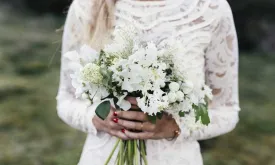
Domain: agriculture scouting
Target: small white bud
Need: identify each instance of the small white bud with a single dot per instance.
(85, 96)
(174, 87)
(162, 85)
(172, 97)
(187, 87)
(180, 96)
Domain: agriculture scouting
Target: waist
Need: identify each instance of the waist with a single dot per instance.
(160, 152)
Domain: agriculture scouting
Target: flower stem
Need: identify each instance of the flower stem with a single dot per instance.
(135, 153)
(112, 152)
(121, 153)
(143, 151)
(129, 152)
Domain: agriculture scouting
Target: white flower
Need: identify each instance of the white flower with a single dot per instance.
(91, 74)
(88, 54)
(187, 87)
(152, 108)
(123, 104)
(163, 104)
(85, 96)
(97, 93)
(194, 98)
(78, 84)
(208, 92)
(172, 97)
(97, 98)
(174, 87)
(115, 48)
(180, 96)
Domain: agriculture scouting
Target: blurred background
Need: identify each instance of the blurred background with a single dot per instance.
(32, 134)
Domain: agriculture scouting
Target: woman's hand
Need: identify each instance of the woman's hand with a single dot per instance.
(134, 120)
(109, 125)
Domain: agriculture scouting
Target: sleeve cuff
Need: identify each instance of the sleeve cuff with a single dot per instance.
(90, 115)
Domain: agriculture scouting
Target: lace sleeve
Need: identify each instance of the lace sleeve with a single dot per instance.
(221, 71)
(75, 112)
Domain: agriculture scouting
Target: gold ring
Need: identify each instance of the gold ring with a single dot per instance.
(141, 126)
(177, 133)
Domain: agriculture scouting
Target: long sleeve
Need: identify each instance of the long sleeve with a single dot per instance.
(75, 112)
(221, 73)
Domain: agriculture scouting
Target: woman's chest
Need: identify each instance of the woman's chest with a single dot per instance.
(190, 21)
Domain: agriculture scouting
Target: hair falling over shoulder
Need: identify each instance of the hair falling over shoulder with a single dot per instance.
(103, 16)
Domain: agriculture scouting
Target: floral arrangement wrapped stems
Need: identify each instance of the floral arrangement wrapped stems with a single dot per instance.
(145, 70)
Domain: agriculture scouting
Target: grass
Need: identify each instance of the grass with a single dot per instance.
(32, 134)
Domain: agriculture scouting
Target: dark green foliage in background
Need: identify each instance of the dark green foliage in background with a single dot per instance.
(40, 6)
(255, 23)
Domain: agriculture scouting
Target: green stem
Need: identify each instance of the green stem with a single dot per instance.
(121, 161)
(132, 151)
(118, 158)
(136, 152)
(129, 152)
(139, 148)
(112, 152)
(143, 152)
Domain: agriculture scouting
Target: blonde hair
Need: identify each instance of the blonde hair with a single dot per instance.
(103, 16)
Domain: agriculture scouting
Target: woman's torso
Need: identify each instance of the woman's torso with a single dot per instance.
(192, 21)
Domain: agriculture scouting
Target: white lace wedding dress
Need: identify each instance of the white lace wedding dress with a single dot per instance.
(208, 35)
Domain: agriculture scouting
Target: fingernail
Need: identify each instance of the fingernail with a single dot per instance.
(115, 120)
(115, 113)
(123, 130)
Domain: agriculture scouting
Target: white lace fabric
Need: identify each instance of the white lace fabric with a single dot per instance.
(206, 29)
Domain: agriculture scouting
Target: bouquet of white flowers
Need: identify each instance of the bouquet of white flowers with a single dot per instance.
(145, 70)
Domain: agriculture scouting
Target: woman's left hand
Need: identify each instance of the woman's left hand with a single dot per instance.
(134, 120)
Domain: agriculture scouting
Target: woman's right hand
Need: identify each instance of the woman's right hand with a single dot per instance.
(109, 125)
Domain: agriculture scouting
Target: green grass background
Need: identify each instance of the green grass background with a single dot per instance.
(32, 134)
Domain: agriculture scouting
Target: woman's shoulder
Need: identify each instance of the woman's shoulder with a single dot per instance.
(218, 10)
(220, 6)
(82, 8)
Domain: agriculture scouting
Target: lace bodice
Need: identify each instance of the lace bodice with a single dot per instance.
(207, 32)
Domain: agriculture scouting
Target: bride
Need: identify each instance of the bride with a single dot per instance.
(208, 30)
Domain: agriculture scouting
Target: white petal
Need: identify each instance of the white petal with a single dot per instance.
(174, 87)
(96, 99)
(74, 66)
(123, 104)
(127, 86)
(85, 96)
(72, 56)
(180, 95)
(172, 97)
(187, 87)
(88, 54)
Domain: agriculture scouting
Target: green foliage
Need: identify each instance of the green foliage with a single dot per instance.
(254, 28)
(10, 86)
(181, 114)
(32, 68)
(49, 6)
(107, 77)
(159, 115)
(202, 114)
(103, 109)
(152, 119)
